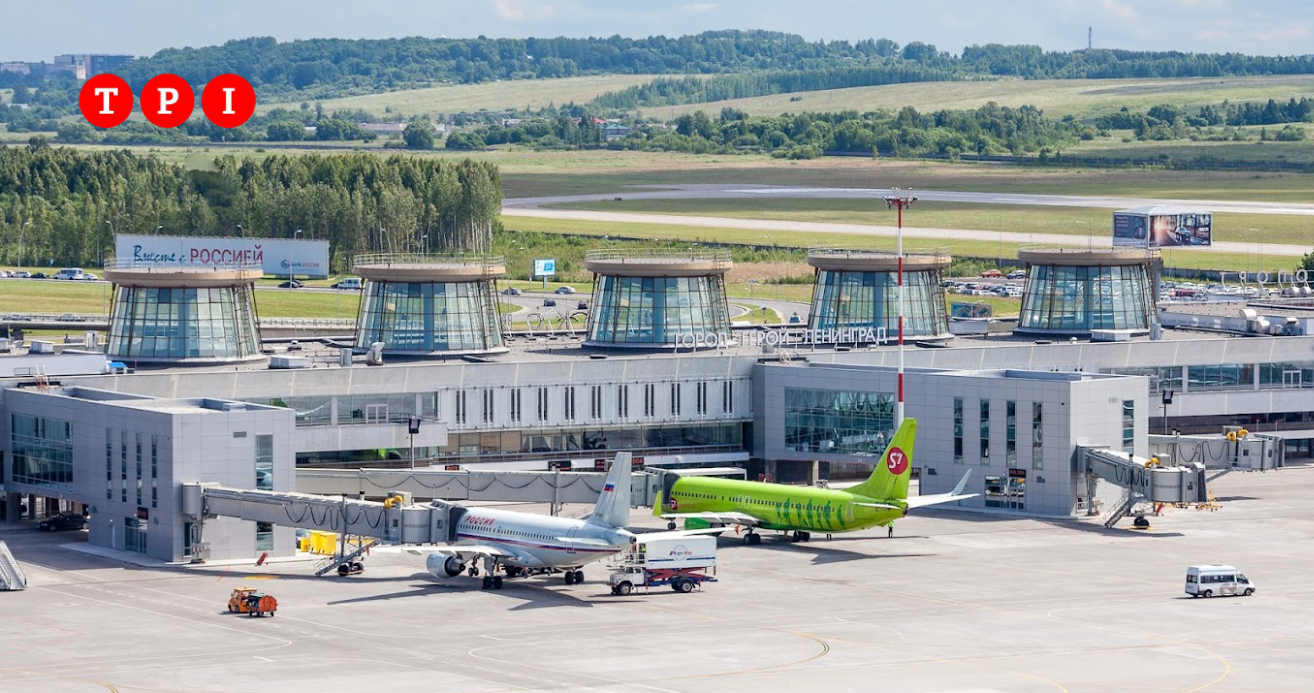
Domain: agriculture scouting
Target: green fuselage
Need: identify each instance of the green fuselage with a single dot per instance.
(781, 507)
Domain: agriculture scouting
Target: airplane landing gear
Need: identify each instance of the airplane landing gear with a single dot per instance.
(574, 577)
(473, 570)
(752, 538)
(497, 582)
(802, 536)
(488, 582)
(670, 525)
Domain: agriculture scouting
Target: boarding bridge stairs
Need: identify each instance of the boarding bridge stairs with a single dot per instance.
(1141, 479)
(11, 575)
(331, 563)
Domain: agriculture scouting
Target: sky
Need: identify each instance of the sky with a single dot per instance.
(36, 31)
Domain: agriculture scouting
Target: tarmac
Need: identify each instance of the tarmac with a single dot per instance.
(954, 602)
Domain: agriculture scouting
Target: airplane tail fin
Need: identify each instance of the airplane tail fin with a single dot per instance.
(889, 480)
(613, 508)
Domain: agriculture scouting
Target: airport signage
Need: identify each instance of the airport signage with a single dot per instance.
(276, 256)
(545, 267)
(783, 338)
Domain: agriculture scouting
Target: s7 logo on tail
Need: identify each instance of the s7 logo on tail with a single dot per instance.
(896, 461)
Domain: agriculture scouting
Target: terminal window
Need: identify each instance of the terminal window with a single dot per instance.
(42, 450)
(838, 422)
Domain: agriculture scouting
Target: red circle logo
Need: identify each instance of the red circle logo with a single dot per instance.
(228, 100)
(105, 100)
(896, 461)
(167, 100)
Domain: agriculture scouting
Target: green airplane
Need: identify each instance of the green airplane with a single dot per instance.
(878, 501)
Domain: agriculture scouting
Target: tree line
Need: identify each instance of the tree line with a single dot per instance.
(668, 91)
(991, 129)
(62, 206)
(319, 68)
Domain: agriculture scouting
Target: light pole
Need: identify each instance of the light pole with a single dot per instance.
(292, 261)
(158, 229)
(240, 231)
(20, 242)
(424, 243)
(898, 202)
(1167, 399)
(100, 246)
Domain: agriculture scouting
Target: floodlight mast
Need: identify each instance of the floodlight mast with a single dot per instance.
(898, 201)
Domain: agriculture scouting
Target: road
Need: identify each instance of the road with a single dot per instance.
(534, 207)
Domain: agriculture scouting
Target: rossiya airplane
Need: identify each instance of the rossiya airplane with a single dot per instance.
(878, 501)
(516, 544)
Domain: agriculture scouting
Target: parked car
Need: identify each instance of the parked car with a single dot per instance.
(291, 284)
(4, 273)
(582, 305)
(70, 274)
(20, 274)
(548, 302)
(992, 273)
(1016, 274)
(39, 275)
(90, 277)
(511, 291)
(348, 284)
(63, 521)
(565, 290)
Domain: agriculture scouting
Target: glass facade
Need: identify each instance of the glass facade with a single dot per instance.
(1128, 426)
(843, 299)
(429, 316)
(660, 311)
(1230, 376)
(264, 462)
(838, 422)
(1080, 299)
(184, 323)
(1037, 435)
(43, 451)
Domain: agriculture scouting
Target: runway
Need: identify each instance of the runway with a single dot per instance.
(535, 207)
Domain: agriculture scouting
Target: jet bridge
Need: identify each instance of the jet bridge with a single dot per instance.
(1141, 479)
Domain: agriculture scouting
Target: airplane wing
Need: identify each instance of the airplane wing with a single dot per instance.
(882, 506)
(728, 518)
(585, 542)
(937, 498)
(658, 536)
(464, 553)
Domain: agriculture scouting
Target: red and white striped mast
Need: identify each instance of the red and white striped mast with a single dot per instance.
(897, 201)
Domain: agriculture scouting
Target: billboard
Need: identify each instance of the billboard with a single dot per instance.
(545, 267)
(1163, 230)
(277, 256)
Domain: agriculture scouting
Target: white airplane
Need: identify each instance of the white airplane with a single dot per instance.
(517, 544)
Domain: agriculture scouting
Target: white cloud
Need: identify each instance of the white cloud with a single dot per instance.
(699, 7)
(1121, 11)
(520, 10)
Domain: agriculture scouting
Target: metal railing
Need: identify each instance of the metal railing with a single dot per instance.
(236, 263)
(719, 258)
(941, 254)
(421, 259)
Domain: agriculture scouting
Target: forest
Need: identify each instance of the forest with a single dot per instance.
(991, 129)
(60, 205)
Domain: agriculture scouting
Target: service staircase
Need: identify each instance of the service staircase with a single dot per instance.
(329, 564)
(1121, 508)
(11, 576)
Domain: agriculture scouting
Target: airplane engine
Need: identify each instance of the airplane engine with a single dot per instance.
(443, 566)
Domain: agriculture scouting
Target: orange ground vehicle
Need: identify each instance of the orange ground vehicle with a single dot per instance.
(246, 600)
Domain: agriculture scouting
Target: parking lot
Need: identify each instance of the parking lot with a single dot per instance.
(954, 602)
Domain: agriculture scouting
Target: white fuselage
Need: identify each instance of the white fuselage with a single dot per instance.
(536, 540)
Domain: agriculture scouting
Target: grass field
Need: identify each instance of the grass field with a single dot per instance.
(1006, 247)
(1010, 219)
(1057, 98)
(22, 296)
(527, 173)
(492, 96)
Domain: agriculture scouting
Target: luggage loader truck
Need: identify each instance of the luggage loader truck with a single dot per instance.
(681, 563)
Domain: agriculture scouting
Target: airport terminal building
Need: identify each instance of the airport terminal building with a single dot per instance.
(791, 403)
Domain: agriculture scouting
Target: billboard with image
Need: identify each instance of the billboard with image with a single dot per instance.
(1156, 227)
